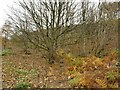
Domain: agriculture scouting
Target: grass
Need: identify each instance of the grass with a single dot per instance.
(32, 72)
(73, 82)
(6, 52)
(21, 72)
(22, 85)
(21, 76)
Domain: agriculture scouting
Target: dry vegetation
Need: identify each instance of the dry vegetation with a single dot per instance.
(45, 47)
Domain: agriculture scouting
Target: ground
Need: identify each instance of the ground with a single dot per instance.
(18, 65)
(33, 70)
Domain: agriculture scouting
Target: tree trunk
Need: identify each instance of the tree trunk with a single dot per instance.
(51, 54)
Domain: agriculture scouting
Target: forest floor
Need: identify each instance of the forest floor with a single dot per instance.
(19, 68)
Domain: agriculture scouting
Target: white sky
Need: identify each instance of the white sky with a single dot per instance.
(4, 8)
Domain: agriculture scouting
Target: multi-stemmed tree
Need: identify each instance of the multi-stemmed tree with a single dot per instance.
(45, 23)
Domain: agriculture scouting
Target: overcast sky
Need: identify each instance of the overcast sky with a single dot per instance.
(4, 8)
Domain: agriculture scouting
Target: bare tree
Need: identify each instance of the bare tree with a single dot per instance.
(45, 23)
(97, 23)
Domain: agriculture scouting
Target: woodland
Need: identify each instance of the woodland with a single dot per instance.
(61, 44)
